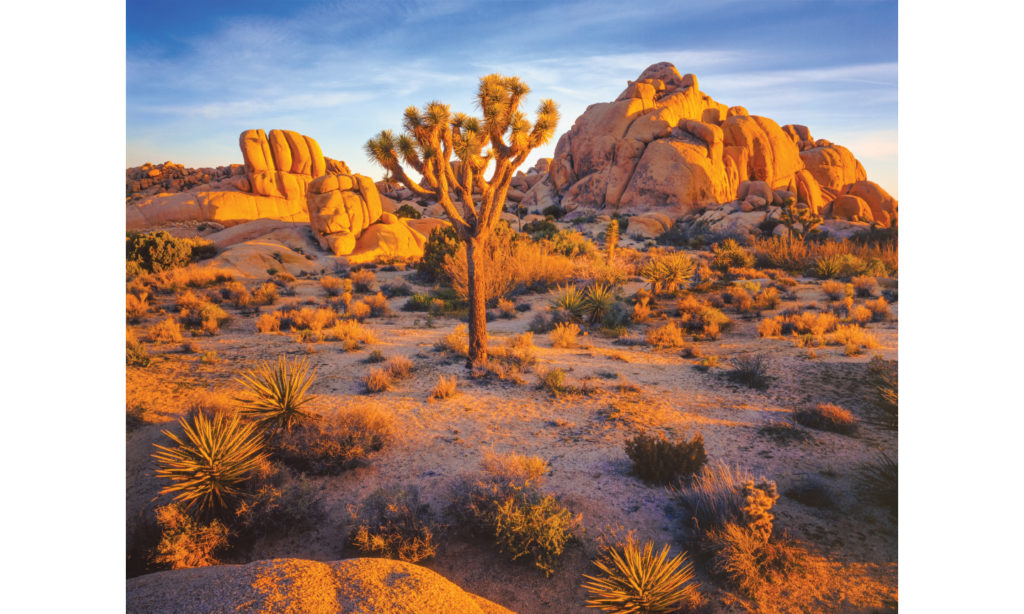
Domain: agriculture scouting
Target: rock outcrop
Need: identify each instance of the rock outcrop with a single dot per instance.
(348, 219)
(351, 586)
(665, 146)
(278, 168)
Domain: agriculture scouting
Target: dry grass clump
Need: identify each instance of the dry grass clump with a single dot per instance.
(656, 460)
(136, 306)
(668, 335)
(186, 543)
(506, 308)
(332, 285)
(395, 524)
(718, 494)
(770, 327)
(854, 338)
(352, 334)
(637, 580)
(445, 388)
(751, 370)
(378, 304)
(787, 253)
(812, 325)
(269, 322)
(165, 331)
(456, 342)
(701, 319)
(359, 310)
(363, 280)
(524, 265)
(879, 309)
(836, 290)
(398, 367)
(135, 354)
(175, 280)
(729, 254)
(879, 481)
(883, 376)
(329, 446)
(515, 469)
(827, 417)
(860, 314)
(865, 286)
(204, 317)
(314, 319)
(642, 310)
(377, 380)
(564, 335)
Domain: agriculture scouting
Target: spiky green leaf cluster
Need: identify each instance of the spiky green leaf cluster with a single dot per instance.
(572, 300)
(277, 392)
(638, 581)
(207, 466)
(667, 272)
(598, 300)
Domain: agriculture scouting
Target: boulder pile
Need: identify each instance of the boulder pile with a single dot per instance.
(664, 146)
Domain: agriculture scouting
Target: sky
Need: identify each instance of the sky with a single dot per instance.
(200, 73)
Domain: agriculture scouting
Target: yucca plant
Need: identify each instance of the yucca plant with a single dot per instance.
(639, 581)
(571, 300)
(278, 391)
(668, 272)
(611, 238)
(597, 300)
(207, 466)
(879, 481)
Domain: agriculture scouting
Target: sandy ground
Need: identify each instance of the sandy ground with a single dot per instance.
(442, 441)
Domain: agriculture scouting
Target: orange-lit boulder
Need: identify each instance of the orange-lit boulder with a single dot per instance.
(832, 166)
(883, 206)
(851, 207)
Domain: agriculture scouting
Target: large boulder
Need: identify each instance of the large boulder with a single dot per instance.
(278, 168)
(347, 219)
(883, 206)
(351, 586)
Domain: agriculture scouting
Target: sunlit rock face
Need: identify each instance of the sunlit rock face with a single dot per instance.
(278, 168)
(665, 146)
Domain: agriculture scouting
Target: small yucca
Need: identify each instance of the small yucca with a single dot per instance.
(640, 581)
(570, 299)
(597, 301)
(278, 391)
(207, 466)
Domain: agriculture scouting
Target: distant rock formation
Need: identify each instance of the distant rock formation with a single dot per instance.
(351, 586)
(277, 170)
(664, 146)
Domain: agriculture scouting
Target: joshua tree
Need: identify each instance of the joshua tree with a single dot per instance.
(503, 137)
(611, 238)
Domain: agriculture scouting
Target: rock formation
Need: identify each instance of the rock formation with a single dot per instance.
(665, 146)
(351, 586)
(277, 170)
(348, 219)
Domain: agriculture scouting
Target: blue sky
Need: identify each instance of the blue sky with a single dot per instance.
(199, 73)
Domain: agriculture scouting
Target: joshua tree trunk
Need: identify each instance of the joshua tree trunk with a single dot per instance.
(477, 301)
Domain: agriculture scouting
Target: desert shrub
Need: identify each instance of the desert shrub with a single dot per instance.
(308, 318)
(555, 381)
(668, 335)
(408, 211)
(135, 353)
(279, 502)
(529, 524)
(442, 243)
(363, 280)
(666, 272)
(641, 310)
(534, 267)
(746, 562)
(827, 417)
(729, 254)
(185, 542)
(331, 284)
(397, 289)
(266, 294)
(860, 314)
(378, 304)
(637, 580)
(332, 445)
(377, 380)
(418, 302)
(395, 524)
(234, 292)
(878, 481)
(398, 367)
(770, 327)
(836, 290)
(174, 280)
(269, 322)
(208, 466)
(597, 301)
(751, 370)
(165, 331)
(720, 494)
(783, 432)
(445, 388)
(767, 298)
(879, 309)
(707, 363)
(276, 393)
(853, 337)
(541, 229)
(564, 335)
(739, 298)
(812, 492)
(359, 310)
(700, 318)
(153, 252)
(136, 307)
(838, 265)
(456, 342)
(351, 333)
(207, 318)
(656, 460)
(569, 243)
(506, 308)
(571, 301)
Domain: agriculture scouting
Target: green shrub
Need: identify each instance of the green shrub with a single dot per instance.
(153, 252)
(408, 211)
(571, 300)
(442, 243)
(209, 465)
(597, 301)
(668, 272)
(751, 370)
(279, 503)
(394, 523)
(637, 580)
(277, 392)
(878, 481)
(554, 211)
(540, 229)
(554, 381)
(729, 254)
(570, 243)
(656, 460)
(529, 524)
